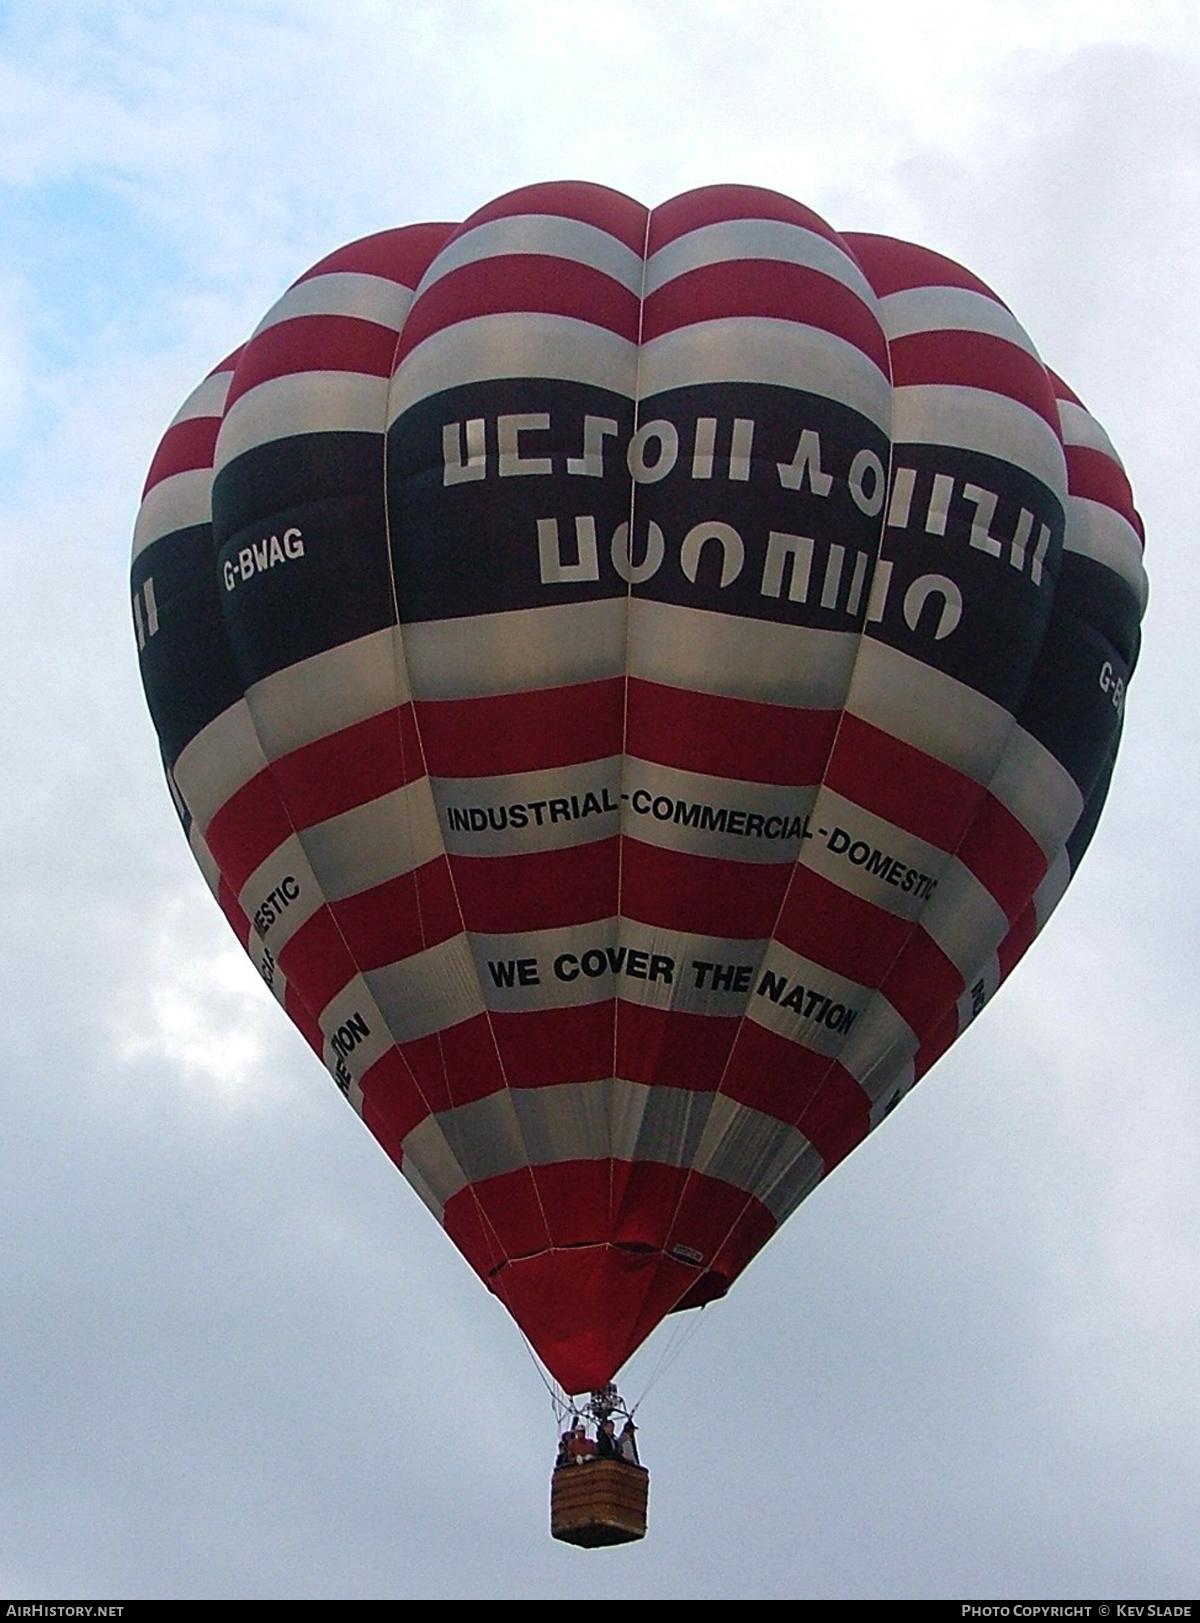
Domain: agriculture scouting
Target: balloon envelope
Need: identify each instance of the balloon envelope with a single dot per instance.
(636, 682)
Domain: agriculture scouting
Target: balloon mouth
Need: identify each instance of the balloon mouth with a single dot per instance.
(710, 1287)
(586, 1308)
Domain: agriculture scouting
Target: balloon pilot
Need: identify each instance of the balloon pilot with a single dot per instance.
(575, 1447)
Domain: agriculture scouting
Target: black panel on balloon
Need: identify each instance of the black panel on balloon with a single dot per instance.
(187, 667)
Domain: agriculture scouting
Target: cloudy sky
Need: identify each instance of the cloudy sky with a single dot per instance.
(238, 1358)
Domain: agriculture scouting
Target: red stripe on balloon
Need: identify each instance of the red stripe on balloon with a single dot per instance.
(185, 447)
(247, 828)
(304, 1020)
(620, 216)
(392, 1103)
(307, 786)
(316, 960)
(401, 255)
(1004, 857)
(325, 343)
(405, 915)
(538, 890)
(740, 739)
(239, 922)
(753, 1228)
(505, 733)
(766, 288)
(936, 1044)
(457, 1065)
(647, 1211)
(923, 984)
(974, 360)
(537, 284)
(502, 1217)
(541, 1048)
(681, 890)
(900, 783)
(673, 1048)
(348, 768)
(1093, 474)
(842, 932)
(711, 205)
(1017, 942)
(714, 1220)
(795, 1085)
(893, 266)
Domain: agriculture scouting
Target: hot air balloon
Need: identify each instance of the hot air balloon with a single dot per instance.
(636, 682)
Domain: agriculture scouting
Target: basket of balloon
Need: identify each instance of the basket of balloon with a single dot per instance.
(602, 1502)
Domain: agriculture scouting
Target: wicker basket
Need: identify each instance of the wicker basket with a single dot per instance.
(601, 1502)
